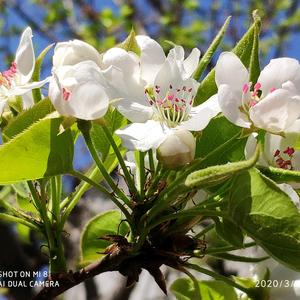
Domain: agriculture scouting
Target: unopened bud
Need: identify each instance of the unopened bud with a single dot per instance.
(177, 150)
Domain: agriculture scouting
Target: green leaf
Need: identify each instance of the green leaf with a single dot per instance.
(109, 222)
(37, 152)
(229, 232)
(254, 67)
(243, 50)
(130, 43)
(268, 215)
(27, 118)
(36, 93)
(184, 289)
(205, 60)
(220, 132)
(114, 121)
(214, 175)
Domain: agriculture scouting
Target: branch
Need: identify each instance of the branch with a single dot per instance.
(66, 281)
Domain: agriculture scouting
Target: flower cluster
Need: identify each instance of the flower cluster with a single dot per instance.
(156, 93)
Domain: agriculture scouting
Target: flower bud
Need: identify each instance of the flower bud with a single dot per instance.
(177, 150)
(73, 52)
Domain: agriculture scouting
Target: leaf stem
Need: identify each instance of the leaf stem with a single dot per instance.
(217, 250)
(128, 177)
(14, 219)
(142, 173)
(84, 178)
(84, 127)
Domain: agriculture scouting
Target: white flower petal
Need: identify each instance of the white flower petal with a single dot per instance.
(176, 53)
(86, 91)
(277, 72)
(152, 57)
(27, 100)
(25, 58)
(276, 112)
(128, 62)
(202, 114)
(23, 89)
(143, 136)
(230, 102)
(190, 64)
(231, 71)
(73, 52)
(134, 111)
(122, 87)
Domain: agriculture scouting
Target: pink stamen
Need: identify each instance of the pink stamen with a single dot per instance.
(289, 151)
(257, 86)
(66, 94)
(277, 152)
(10, 73)
(272, 90)
(245, 88)
(171, 97)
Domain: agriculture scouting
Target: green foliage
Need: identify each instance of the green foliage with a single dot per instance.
(114, 121)
(205, 60)
(220, 132)
(229, 232)
(36, 93)
(243, 50)
(268, 215)
(130, 43)
(27, 118)
(92, 247)
(184, 289)
(37, 152)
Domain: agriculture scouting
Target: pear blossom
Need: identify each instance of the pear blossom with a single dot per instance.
(156, 93)
(274, 102)
(79, 91)
(73, 52)
(16, 80)
(279, 152)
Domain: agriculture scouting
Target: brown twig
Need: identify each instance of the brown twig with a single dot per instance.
(110, 262)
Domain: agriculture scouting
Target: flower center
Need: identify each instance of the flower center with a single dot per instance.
(173, 107)
(284, 160)
(7, 76)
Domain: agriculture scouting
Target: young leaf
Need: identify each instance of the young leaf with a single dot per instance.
(91, 246)
(184, 289)
(254, 67)
(36, 93)
(205, 60)
(243, 50)
(268, 215)
(214, 175)
(36, 152)
(27, 118)
(130, 43)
